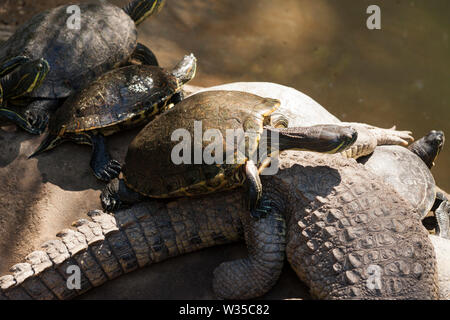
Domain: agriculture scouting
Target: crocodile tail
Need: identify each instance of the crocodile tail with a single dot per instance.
(105, 246)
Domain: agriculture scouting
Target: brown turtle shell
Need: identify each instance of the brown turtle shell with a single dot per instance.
(106, 38)
(121, 98)
(407, 173)
(149, 168)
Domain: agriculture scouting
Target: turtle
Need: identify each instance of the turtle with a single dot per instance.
(119, 99)
(18, 77)
(105, 39)
(377, 144)
(408, 171)
(151, 169)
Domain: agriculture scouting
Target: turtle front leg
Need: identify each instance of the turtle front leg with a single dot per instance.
(254, 189)
(34, 123)
(38, 113)
(35, 117)
(104, 167)
(176, 98)
(256, 274)
(117, 195)
(144, 55)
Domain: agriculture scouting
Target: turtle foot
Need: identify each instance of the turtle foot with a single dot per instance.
(261, 211)
(108, 171)
(37, 121)
(110, 198)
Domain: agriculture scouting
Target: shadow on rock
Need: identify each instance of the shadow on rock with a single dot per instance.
(11, 139)
(190, 277)
(67, 166)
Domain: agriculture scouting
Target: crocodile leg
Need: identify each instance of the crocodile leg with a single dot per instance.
(256, 274)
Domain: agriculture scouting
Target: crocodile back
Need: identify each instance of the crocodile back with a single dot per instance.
(350, 236)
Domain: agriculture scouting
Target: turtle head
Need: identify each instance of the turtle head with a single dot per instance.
(429, 147)
(319, 138)
(25, 78)
(139, 10)
(185, 70)
(48, 143)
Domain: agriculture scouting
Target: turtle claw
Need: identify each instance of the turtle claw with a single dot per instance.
(109, 197)
(110, 201)
(109, 171)
(37, 121)
(262, 209)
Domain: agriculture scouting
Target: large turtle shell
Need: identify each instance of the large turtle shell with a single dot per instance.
(300, 109)
(117, 99)
(107, 37)
(149, 168)
(406, 172)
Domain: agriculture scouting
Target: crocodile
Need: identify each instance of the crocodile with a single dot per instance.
(345, 233)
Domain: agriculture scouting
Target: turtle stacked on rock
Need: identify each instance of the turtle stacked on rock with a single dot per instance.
(107, 38)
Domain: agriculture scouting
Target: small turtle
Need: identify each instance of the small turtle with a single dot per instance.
(18, 77)
(105, 39)
(151, 171)
(122, 98)
(408, 171)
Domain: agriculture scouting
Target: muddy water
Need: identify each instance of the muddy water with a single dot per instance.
(399, 75)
